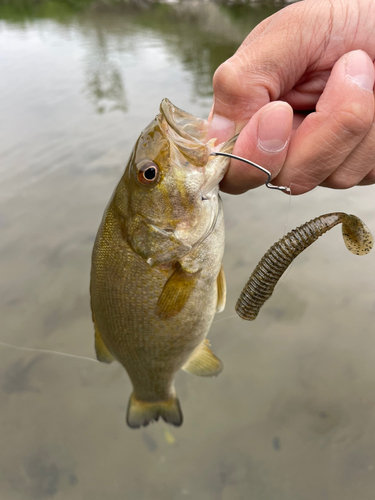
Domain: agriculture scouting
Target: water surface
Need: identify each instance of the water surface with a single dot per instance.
(292, 416)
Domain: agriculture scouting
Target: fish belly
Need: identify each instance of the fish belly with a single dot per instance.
(125, 291)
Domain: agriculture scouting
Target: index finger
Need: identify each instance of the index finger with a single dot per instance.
(272, 60)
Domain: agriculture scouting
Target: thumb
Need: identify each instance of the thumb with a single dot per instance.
(265, 141)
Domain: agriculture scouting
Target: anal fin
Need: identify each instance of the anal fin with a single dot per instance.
(203, 362)
(143, 412)
(102, 353)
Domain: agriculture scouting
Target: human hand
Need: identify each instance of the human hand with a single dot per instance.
(315, 55)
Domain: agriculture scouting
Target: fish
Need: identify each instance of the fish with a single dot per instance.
(157, 278)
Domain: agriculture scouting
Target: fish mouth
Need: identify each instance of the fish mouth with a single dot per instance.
(187, 132)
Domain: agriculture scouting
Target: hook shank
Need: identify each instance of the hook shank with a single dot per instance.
(267, 172)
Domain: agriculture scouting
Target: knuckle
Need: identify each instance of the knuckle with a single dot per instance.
(225, 78)
(344, 183)
(369, 178)
(341, 182)
(240, 81)
(355, 119)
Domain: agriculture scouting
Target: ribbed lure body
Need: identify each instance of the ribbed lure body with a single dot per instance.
(277, 259)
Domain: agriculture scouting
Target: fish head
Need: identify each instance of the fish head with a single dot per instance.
(168, 195)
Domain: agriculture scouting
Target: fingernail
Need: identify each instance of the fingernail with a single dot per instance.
(360, 69)
(221, 128)
(274, 127)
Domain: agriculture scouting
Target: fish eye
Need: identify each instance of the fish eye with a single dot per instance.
(148, 172)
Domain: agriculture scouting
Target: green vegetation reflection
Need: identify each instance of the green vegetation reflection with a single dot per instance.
(201, 35)
(23, 10)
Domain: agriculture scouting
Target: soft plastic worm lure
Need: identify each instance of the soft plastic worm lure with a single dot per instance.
(276, 260)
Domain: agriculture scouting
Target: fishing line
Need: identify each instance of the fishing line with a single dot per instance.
(216, 153)
(288, 212)
(285, 232)
(268, 184)
(47, 351)
(223, 319)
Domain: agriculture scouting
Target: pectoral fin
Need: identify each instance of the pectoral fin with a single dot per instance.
(176, 292)
(203, 362)
(221, 291)
(102, 353)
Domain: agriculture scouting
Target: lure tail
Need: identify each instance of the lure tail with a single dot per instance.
(141, 413)
(277, 259)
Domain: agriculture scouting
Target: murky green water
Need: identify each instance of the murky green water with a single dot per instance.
(292, 416)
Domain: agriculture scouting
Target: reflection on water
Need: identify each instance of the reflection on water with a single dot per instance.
(104, 87)
(218, 31)
(292, 415)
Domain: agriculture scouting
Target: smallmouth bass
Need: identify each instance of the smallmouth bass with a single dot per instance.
(157, 278)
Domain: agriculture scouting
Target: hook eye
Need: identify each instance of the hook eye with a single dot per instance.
(268, 182)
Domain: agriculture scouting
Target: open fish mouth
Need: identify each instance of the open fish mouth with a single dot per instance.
(189, 135)
(186, 202)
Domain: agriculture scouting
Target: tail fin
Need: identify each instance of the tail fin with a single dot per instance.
(142, 412)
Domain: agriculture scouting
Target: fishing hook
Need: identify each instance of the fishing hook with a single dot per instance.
(268, 183)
